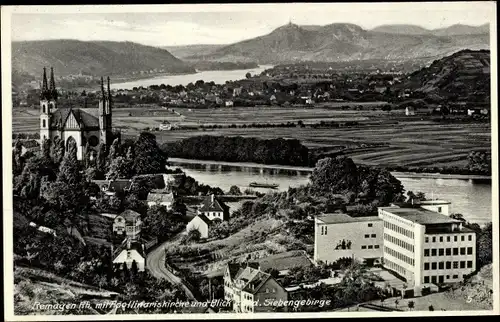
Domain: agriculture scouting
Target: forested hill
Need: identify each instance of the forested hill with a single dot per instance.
(96, 58)
(463, 76)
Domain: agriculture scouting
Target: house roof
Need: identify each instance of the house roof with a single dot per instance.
(160, 197)
(119, 185)
(344, 218)
(134, 245)
(204, 218)
(212, 203)
(257, 282)
(130, 215)
(284, 261)
(421, 216)
(233, 269)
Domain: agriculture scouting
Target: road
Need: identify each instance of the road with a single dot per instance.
(155, 263)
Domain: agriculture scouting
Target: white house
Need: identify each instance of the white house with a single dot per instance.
(128, 252)
(409, 111)
(214, 208)
(165, 126)
(200, 223)
(229, 103)
(128, 223)
(161, 199)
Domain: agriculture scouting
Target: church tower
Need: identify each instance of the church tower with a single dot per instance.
(105, 127)
(48, 103)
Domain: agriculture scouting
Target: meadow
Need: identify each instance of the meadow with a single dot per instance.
(403, 140)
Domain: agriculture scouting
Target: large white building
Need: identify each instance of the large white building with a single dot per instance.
(339, 235)
(426, 247)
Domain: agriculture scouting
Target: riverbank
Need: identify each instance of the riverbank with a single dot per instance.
(412, 175)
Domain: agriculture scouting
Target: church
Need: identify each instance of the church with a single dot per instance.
(74, 124)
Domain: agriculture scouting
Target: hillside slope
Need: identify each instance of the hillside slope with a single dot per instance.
(96, 58)
(465, 75)
(190, 50)
(454, 30)
(343, 42)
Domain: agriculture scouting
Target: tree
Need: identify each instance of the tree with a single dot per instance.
(114, 150)
(333, 176)
(234, 190)
(193, 235)
(46, 147)
(149, 157)
(101, 160)
(396, 303)
(119, 167)
(248, 75)
(431, 308)
(458, 217)
(485, 246)
(69, 170)
(57, 150)
(411, 305)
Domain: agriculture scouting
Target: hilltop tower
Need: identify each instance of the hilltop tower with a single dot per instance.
(48, 103)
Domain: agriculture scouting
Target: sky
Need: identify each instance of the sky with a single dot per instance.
(173, 25)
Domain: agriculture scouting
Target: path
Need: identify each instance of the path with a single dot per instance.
(155, 262)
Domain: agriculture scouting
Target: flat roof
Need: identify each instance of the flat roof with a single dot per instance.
(341, 218)
(421, 216)
(435, 202)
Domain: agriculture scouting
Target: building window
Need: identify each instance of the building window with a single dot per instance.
(427, 240)
(363, 247)
(370, 246)
(447, 277)
(441, 265)
(322, 230)
(426, 252)
(426, 279)
(448, 251)
(439, 209)
(367, 236)
(433, 252)
(448, 238)
(462, 264)
(434, 279)
(374, 235)
(426, 266)
(441, 252)
(455, 276)
(129, 254)
(455, 264)
(469, 264)
(470, 237)
(376, 246)
(469, 250)
(448, 265)
(455, 238)
(455, 251)
(326, 230)
(434, 265)
(433, 239)
(462, 250)
(462, 238)
(43, 123)
(370, 225)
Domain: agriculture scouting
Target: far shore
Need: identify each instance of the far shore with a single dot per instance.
(309, 169)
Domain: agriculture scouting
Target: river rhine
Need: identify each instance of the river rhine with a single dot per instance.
(217, 76)
(472, 198)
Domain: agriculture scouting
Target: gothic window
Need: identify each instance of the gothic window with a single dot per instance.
(44, 124)
(43, 109)
(69, 141)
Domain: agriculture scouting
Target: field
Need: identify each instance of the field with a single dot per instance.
(406, 140)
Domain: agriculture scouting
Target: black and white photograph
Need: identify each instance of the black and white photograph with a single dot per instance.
(250, 160)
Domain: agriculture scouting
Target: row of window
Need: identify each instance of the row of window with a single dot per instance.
(448, 251)
(247, 297)
(438, 279)
(399, 256)
(448, 265)
(370, 246)
(399, 230)
(371, 236)
(395, 267)
(448, 238)
(324, 230)
(399, 242)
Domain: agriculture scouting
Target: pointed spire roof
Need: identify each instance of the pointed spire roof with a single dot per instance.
(44, 84)
(53, 90)
(109, 90)
(102, 88)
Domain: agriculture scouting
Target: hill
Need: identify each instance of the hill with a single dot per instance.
(464, 75)
(190, 50)
(343, 42)
(95, 58)
(454, 30)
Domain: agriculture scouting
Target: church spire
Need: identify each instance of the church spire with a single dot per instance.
(103, 93)
(53, 91)
(109, 91)
(44, 85)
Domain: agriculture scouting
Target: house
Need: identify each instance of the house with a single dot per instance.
(247, 285)
(200, 223)
(214, 208)
(161, 198)
(128, 252)
(219, 101)
(118, 186)
(237, 91)
(339, 235)
(309, 101)
(410, 110)
(128, 223)
(426, 247)
(165, 126)
(283, 262)
(229, 103)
